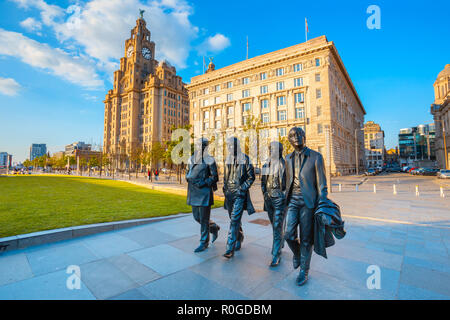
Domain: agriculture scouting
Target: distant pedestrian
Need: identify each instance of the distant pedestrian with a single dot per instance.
(156, 174)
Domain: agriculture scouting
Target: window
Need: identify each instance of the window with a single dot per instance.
(298, 67)
(319, 128)
(319, 110)
(281, 132)
(229, 97)
(195, 116)
(246, 107)
(218, 112)
(230, 123)
(280, 85)
(317, 77)
(244, 120)
(205, 102)
(279, 72)
(245, 93)
(263, 76)
(218, 124)
(317, 62)
(264, 89)
(230, 110)
(246, 80)
(206, 91)
(265, 117)
(217, 88)
(205, 114)
(299, 97)
(318, 93)
(282, 115)
(205, 125)
(281, 101)
(298, 82)
(299, 113)
(264, 104)
(216, 100)
(229, 84)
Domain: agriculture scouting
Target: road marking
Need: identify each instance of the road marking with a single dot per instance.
(395, 221)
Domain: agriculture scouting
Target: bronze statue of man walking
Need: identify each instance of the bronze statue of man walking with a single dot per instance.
(306, 186)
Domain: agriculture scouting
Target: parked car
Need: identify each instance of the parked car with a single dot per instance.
(443, 174)
(411, 169)
(370, 172)
(406, 169)
(429, 172)
(416, 171)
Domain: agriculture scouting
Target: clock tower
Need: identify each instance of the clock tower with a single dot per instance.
(148, 99)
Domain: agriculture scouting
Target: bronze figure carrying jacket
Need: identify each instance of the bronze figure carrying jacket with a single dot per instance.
(313, 181)
(245, 176)
(202, 177)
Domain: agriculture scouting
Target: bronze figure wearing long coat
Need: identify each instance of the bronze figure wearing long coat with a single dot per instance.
(202, 178)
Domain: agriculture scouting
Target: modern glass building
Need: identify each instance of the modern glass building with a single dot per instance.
(37, 150)
(417, 143)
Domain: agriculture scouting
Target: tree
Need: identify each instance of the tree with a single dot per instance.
(156, 153)
(287, 147)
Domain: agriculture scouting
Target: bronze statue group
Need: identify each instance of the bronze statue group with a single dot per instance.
(294, 187)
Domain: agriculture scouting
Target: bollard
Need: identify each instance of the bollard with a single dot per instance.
(340, 187)
(356, 187)
(395, 189)
(374, 188)
(442, 193)
(417, 191)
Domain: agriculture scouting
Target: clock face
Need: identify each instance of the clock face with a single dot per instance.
(130, 51)
(146, 53)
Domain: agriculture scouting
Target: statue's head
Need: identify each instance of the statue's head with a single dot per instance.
(276, 150)
(297, 138)
(233, 146)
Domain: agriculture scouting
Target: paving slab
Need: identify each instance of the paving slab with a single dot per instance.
(51, 286)
(14, 267)
(194, 287)
(165, 259)
(105, 280)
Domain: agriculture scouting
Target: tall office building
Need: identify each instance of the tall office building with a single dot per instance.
(440, 110)
(417, 144)
(147, 99)
(37, 150)
(304, 85)
(373, 144)
(4, 158)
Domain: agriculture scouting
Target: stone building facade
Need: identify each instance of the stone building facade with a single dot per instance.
(304, 85)
(147, 100)
(374, 145)
(440, 110)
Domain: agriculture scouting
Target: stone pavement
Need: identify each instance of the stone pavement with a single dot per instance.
(407, 237)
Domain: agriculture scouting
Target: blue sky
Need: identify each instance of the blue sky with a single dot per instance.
(57, 57)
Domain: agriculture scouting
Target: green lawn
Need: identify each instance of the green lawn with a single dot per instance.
(36, 203)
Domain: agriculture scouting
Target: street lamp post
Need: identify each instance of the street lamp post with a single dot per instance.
(356, 151)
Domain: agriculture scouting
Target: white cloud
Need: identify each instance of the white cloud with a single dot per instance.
(9, 86)
(48, 12)
(75, 69)
(31, 24)
(214, 44)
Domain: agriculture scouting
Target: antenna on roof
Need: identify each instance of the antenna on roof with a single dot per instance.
(247, 48)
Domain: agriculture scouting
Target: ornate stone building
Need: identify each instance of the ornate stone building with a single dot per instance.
(147, 99)
(440, 110)
(304, 85)
(373, 144)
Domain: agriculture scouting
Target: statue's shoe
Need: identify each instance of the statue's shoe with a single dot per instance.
(296, 261)
(275, 261)
(302, 277)
(215, 233)
(228, 254)
(201, 247)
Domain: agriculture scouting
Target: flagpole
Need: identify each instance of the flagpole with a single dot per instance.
(306, 30)
(247, 47)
